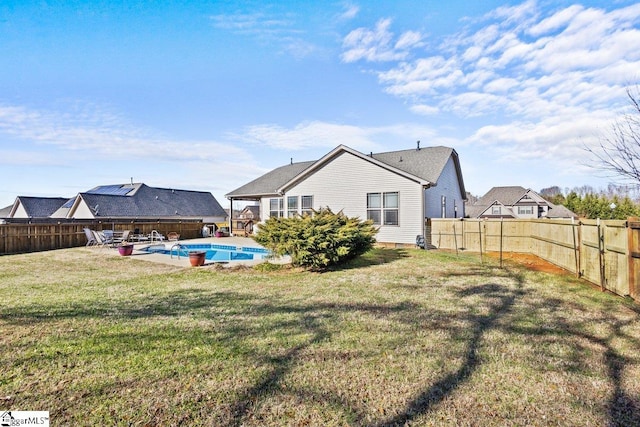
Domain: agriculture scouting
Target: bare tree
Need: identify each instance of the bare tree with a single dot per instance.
(618, 154)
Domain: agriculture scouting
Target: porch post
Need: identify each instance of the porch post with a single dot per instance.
(231, 217)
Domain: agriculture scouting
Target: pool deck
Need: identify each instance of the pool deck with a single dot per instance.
(184, 261)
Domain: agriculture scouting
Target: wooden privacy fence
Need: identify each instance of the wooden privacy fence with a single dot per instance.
(25, 237)
(606, 253)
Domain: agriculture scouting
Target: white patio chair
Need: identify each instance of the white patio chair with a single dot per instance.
(154, 236)
(91, 240)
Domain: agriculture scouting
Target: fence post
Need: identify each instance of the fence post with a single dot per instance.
(601, 254)
(576, 251)
(633, 258)
(455, 238)
(501, 234)
(480, 240)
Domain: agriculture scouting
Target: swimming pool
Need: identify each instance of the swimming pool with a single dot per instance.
(213, 252)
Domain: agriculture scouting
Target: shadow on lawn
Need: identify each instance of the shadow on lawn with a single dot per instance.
(248, 317)
(623, 409)
(375, 256)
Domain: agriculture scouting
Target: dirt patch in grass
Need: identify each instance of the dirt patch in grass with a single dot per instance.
(532, 262)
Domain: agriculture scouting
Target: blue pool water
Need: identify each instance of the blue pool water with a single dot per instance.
(213, 252)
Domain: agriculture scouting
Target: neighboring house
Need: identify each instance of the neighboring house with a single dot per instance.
(398, 190)
(516, 202)
(243, 222)
(128, 201)
(251, 212)
(4, 213)
(35, 207)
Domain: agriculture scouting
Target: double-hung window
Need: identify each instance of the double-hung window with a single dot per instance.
(307, 205)
(276, 208)
(374, 206)
(383, 208)
(292, 206)
(390, 208)
(525, 210)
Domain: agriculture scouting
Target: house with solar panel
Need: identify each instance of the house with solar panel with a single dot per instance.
(399, 190)
(134, 201)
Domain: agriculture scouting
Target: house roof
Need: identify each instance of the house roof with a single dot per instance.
(424, 164)
(559, 211)
(255, 209)
(153, 202)
(510, 195)
(507, 196)
(6, 211)
(39, 207)
(269, 183)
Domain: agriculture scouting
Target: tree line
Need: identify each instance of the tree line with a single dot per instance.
(616, 202)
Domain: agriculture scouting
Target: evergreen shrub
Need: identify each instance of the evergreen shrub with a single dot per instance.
(317, 241)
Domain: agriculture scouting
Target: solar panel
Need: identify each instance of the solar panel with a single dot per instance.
(69, 203)
(111, 190)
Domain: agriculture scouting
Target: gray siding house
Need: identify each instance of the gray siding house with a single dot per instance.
(516, 202)
(398, 190)
(124, 201)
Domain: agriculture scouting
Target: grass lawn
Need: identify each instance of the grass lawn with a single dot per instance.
(399, 337)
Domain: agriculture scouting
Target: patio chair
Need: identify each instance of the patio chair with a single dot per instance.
(91, 240)
(100, 238)
(108, 236)
(154, 236)
(121, 239)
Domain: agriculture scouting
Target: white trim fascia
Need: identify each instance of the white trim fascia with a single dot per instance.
(76, 204)
(14, 208)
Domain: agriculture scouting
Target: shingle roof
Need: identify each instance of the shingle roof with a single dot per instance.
(155, 202)
(41, 207)
(559, 211)
(4, 212)
(269, 183)
(426, 163)
(508, 196)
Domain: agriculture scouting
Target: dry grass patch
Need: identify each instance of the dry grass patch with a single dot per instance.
(398, 337)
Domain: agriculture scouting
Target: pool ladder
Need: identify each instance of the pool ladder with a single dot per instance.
(178, 246)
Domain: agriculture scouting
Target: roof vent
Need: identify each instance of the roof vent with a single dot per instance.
(418, 147)
(292, 160)
(400, 158)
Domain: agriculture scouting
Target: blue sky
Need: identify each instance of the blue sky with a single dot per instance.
(209, 95)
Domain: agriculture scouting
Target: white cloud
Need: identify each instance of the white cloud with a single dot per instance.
(538, 83)
(377, 45)
(425, 110)
(325, 136)
(556, 21)
(279, 30)
(350, 12)
(573, 56)
(108, 137)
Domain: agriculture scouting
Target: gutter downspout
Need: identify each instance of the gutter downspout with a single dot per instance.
(423, 214)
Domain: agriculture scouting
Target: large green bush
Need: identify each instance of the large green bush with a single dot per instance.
(319, 240)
